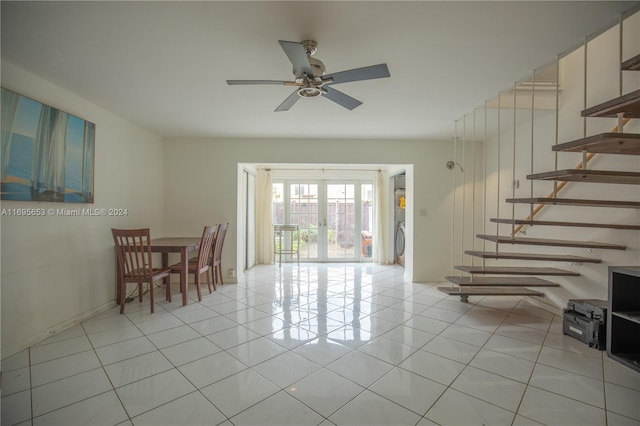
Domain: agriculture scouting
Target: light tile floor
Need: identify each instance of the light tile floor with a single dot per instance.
(343, 344)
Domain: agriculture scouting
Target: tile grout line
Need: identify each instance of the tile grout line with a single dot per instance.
(63, 378)
(532, 370)
(467, 365)
(263, 291)
(196, 389)
(105, 372)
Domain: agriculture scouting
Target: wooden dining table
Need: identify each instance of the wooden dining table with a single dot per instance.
(182, 245)
(166, 245)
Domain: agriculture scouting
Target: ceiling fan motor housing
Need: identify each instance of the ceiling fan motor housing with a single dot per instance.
(311, 84)
(311, 47)
(317, 66)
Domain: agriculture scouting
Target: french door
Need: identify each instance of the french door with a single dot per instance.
(334, 218)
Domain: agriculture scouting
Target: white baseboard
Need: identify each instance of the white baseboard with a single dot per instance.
(34, 340)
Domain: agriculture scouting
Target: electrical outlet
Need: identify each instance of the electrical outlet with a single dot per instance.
(231, 273)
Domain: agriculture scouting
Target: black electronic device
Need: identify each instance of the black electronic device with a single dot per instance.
(591, 308)
(588, 330)
(585, 320)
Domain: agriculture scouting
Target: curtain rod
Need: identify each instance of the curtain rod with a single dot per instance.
(324, 169)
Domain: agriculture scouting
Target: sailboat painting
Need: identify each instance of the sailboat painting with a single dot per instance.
(47, 154)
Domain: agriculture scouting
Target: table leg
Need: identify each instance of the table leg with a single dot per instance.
(165, 264)
(183, 274)
(165, 280)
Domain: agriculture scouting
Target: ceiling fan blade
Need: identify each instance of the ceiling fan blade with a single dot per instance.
(289, 102)
(298, 56)
(358, 74)
(280, 82)
(340, 98)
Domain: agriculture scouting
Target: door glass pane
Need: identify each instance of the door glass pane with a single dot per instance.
(303, 211)
(366, 220)
(277, 204)
(341, 221)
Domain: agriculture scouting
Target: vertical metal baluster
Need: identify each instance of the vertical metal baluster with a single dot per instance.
(555, 182)
(533, 94)
(620, 73)
(584, 106)
(498, 172)
(464, 184)
(584, 119)
(484, 185)
(513, 160)
(620, 88)
(453, 204)
(473, 189)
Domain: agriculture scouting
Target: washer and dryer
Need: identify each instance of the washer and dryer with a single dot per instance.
(398, 217)
(399, 244)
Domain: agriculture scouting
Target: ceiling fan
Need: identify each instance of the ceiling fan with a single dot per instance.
(310, 79)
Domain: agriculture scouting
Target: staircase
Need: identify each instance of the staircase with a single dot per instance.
(518, 281)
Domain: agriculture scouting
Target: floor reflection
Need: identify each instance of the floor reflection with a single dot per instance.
(330, 303)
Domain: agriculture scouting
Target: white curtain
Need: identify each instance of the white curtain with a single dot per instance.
(48, 162)
(9, 108)
(264, 219)
(381, 218)
(88, 147)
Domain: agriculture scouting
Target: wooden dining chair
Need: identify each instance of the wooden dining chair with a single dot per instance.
(201, 265)
(133, 249)
(216, 260)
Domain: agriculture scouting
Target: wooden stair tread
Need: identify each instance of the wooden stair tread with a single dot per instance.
(561, 223)
(550, 242)
(576, 202)
(589, 176)
(631, 64)
(501, 281)
(628, 104)
(489, 291)
(516, 270)
(532, 256)
(604, 143)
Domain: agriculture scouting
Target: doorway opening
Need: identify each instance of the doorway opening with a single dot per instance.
(334, 206)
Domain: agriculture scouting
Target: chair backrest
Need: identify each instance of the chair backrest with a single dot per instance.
(217, 250)
(133, 248)
(206, 245)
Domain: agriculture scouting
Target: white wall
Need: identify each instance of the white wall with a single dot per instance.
(201, 186)
(58, 270)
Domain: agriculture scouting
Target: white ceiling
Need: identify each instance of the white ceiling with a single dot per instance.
(163, 65)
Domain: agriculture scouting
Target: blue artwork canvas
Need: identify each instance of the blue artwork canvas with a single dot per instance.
(47, 154)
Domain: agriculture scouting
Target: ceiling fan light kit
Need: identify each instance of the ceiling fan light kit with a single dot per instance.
(310, 78)
(309, 92)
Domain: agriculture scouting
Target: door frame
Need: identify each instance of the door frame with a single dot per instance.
(364, 171)
(322, 240)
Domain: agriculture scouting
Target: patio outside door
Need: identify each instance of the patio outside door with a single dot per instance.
(334, 218)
